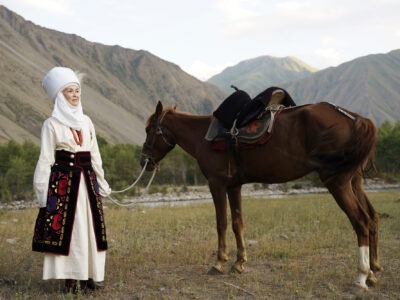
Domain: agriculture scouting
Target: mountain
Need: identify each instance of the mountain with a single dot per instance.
(368, 85)
(255, 75)
(122, 85)
(120, 90)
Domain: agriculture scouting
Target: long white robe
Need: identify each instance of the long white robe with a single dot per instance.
(84, 260)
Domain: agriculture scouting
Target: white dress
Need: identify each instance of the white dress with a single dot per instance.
(84, 260)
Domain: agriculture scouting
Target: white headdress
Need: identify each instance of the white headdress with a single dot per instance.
(55, 81)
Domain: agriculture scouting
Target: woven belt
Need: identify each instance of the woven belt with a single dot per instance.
(71, 159)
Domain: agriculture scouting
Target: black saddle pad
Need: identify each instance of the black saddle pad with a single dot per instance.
(227, 111)
(256, 132)
(239, 106)
(271, 96)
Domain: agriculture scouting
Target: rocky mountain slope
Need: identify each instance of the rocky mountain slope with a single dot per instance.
(368, 85)
(255, 75)
(121, 88)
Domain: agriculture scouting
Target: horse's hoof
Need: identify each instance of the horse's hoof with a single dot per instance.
(359, 286)
(215, 270)
(372, 280)
(237, 269)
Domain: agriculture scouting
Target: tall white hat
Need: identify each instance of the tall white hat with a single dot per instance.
(57, 79)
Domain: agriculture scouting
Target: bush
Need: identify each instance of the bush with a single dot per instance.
(121, 166)
(17, 166)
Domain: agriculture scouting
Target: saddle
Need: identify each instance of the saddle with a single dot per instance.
(245, 120)
(242, 122)
(255, 132)
(240, 107)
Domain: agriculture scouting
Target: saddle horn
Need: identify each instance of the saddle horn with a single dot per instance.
(234, 87)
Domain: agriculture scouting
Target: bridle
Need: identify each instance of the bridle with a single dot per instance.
(148, 158)
(159, 131)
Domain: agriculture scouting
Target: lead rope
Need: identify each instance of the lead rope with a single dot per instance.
(132, 185)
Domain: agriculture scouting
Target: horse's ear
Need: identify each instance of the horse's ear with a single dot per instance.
(159, 109)
(174, 108)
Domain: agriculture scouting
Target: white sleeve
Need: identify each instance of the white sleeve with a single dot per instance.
(43, 167)
(97, 163)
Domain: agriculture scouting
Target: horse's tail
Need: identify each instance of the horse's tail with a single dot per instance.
(357, 154)
(365, 136)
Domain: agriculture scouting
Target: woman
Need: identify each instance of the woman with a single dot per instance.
(69, 183)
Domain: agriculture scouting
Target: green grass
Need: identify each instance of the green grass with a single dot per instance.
(298, 247)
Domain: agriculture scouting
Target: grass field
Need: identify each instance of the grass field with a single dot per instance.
(299, 247)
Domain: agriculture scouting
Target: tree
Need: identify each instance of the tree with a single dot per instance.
(17, 165)
(388, 149)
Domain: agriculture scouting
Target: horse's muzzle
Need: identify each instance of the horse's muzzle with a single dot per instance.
(148, 162)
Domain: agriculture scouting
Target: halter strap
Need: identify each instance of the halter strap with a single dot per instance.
(164, 113)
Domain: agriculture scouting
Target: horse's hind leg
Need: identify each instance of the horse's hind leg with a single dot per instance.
(360, 220)
(373, 226)
(219, 197)
(235, 201)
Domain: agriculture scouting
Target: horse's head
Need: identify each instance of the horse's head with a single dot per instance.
(159, 140)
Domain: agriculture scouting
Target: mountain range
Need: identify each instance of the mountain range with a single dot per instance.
(122, 85)
(368, 85)
(254, 74)
(120, 89)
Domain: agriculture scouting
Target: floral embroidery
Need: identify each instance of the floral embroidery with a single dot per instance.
(54, 222)
(99, 204)
(49, 228)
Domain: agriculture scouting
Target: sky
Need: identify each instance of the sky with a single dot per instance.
(204, 37)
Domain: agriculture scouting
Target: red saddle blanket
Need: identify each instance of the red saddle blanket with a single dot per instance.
(257, 132)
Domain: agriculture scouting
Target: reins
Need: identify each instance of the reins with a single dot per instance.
(149, 158)
(132, 185)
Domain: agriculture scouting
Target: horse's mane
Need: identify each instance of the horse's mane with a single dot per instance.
(172, 110)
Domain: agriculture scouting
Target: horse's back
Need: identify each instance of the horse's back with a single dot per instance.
(336, 140)
(320, 116)
(320, 136)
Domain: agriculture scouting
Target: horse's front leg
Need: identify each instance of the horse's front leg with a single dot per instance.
(218, 193)
(235, 201)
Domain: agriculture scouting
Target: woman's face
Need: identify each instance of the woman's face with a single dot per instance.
(73, 94)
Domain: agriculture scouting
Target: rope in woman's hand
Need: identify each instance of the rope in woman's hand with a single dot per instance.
(132, 185)
(135, 182)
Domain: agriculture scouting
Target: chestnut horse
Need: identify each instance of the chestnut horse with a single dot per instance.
(335, 143)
